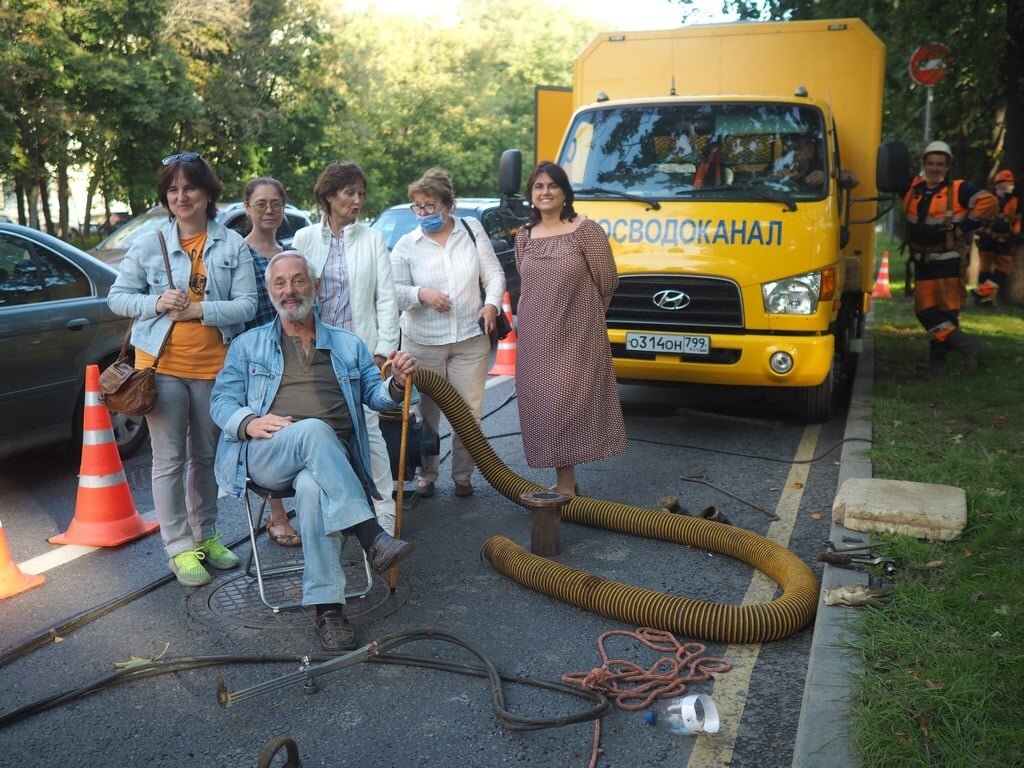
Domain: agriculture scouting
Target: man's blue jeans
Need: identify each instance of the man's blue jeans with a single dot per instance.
(329, 498)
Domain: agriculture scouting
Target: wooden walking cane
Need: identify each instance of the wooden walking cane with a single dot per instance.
(399, 501)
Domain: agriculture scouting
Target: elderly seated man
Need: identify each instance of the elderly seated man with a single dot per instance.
(289, 403)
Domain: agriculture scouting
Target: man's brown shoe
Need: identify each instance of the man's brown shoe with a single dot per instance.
(388, 551)
(334, 631)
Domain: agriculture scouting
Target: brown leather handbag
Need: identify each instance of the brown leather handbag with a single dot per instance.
(125, 388)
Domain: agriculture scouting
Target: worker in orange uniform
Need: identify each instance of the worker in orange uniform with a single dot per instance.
(939, 213)
(997, 241)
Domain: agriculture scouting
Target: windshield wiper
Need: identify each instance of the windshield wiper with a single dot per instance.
(784, 199)
(650, 201)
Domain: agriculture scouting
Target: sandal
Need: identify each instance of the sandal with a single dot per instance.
(282, 533)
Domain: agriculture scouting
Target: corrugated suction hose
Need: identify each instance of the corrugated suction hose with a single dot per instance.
(719, 622)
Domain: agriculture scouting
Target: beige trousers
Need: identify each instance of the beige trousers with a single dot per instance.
(464, 366)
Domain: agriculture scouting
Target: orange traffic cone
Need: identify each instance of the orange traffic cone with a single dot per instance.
(881, 290)
(12, 580)
(105, 513)
(505, 360)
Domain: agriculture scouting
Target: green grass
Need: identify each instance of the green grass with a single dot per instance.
(942, 680)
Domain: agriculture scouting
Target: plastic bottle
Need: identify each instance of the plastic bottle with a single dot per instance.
(688, 715)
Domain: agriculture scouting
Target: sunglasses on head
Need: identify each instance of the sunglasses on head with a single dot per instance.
(185, 157)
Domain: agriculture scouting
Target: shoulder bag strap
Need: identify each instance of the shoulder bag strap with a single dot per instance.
(167, 260)
(170, 282)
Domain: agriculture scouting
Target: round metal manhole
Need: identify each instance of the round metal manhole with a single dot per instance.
(237, 600)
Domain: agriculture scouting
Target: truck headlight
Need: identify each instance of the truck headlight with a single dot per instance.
(798, 295)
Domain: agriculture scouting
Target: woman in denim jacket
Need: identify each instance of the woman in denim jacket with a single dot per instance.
(184, 330)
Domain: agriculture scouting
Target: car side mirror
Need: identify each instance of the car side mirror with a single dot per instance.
(892, 169)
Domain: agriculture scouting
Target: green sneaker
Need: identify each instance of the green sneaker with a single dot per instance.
(189, 570)
(217, 554)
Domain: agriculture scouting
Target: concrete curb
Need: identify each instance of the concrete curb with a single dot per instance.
(823, 733)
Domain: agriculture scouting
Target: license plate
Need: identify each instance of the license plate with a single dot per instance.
(679, 344)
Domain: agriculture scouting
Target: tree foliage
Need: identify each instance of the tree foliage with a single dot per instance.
(978, 108)
(266, 87)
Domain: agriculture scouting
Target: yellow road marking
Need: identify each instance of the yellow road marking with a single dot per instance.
(730, 692)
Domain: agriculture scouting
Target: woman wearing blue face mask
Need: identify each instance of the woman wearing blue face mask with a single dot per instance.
(449, 289)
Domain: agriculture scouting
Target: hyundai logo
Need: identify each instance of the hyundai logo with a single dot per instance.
(671, 299)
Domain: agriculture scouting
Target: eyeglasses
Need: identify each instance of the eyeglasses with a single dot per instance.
(262, 205)
(185, 157)
(423, 210)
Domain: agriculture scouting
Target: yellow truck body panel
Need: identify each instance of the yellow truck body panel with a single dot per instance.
(683, 146)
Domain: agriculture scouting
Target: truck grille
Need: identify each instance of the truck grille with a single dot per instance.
(713, 304)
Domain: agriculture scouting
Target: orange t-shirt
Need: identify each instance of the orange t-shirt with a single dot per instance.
(194, 350)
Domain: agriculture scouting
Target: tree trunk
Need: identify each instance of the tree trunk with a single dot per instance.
(63, 196)
(1013, 156)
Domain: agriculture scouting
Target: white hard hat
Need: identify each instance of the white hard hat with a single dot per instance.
(938, 146)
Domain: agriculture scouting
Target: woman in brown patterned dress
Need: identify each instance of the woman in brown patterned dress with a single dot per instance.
(569, 410)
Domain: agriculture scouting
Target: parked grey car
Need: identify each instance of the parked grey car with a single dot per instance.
(500, 224)
(54, 321)
(232, 215)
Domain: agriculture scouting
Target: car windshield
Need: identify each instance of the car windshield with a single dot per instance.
(695, 151)
(399, 220)
(394, 223)
(123, 237)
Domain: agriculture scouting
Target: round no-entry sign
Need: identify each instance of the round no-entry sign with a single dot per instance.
(930, 63)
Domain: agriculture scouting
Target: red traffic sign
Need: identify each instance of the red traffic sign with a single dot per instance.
(930, 63)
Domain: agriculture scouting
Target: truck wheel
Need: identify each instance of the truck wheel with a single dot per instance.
(814, 404)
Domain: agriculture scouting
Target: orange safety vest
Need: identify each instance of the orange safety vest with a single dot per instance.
(1008, 211)
(934, 231)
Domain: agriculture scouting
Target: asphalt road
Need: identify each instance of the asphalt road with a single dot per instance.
(392, 715)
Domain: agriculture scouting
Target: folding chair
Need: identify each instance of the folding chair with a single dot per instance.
(261, 573)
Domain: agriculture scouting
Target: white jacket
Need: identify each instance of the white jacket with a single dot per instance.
(371, 287)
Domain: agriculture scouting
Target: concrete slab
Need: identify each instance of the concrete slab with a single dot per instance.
(921, 510)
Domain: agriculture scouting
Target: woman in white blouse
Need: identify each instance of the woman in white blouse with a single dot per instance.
(449, 285)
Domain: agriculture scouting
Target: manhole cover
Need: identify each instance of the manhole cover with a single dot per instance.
(237, 600)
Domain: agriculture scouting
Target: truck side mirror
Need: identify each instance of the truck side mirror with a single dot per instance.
(893, 167)
(510, 172)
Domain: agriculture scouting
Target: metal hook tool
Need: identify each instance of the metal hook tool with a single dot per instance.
(704, 481)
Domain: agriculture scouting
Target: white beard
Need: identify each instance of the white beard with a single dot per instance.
(296, 314)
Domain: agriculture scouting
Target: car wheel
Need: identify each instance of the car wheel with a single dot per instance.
(130, 432)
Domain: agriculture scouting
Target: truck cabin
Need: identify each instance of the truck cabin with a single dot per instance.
(700, 151)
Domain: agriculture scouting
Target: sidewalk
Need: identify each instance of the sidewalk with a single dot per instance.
(823, 738)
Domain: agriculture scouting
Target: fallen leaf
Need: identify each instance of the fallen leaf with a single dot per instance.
(995, 492)
(798, 485)
(936, 685)
(816, 516)
(956, 438)
(935, 564)
(902, 737)
(965, 552)
(134, 661)
(913, 673)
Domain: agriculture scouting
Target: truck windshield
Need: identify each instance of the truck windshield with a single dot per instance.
(693, 151)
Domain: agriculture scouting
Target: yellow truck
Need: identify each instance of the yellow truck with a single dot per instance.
(718, 159)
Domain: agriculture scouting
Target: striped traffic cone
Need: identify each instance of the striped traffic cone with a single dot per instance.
(505, 359)
(105, 513)
(12, 580)
(881, 290)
